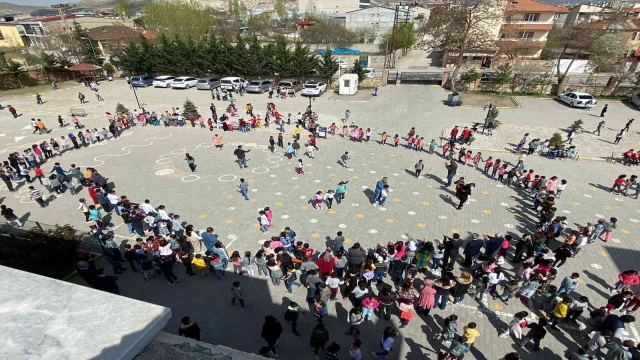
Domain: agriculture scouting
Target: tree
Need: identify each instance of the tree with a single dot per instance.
(281, 10)
(120, 109)
(3, 60)
(255, 62)
(302, 61)
(492, 116)
(556, 140)
(259, 24)
(598, 39)
(189, 18)
(463, 28)
(132, 59)
(327, 66)
(189, 109)
(86, 50)
(15, 70)
(366, 34)
(503, 75)
(624, 73)
(63, 62)
(358, 70)
(108, 68)
(328, 32)
(281, 59)
(577, 126)
(48, 62)
(123, 8)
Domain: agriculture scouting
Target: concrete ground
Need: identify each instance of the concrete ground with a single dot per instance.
(148, 162)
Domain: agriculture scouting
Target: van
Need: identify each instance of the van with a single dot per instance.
(142, 80)
(290, 84)
(229, 83)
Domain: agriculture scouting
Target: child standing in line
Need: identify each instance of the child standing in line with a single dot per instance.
(147, 266)
(318, 199)
(436, 257)
(383, 195)
(406, 312)
(367, 134)
(383, 138)
(237, 262)
(467, 156)
(396, 140)
(488, 164)
(410, 141)
(280, 140)
(477, 159)
(354, 350)
(200, 265)
(432, 146)
(345, 131)
(345, 159)
(449, 329)
(560, 188)
(236, 290)
(269, 214)
(421, 144)
(300, 167)
(248, 262)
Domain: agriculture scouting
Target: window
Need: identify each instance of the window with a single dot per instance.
(1, 36)
(556, 16)
(525, 35)
(531, 17)
(503, 36)
(633, 36)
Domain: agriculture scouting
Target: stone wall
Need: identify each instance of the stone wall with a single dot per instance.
(34, 77)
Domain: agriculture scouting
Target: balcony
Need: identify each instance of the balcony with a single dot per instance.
(524, 43)
(527, 25)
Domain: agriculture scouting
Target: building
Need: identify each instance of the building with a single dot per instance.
(560, 18)
(588, 13)
(330, 6)
(525, 27)
(10, 36)
(378, 17)
(109, 38)
(628, 28)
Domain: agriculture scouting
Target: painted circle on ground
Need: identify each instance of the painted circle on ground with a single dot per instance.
(190, 178)
(225, 178)
(263, 170)
(442, 217)
(566, 211)
(273, 175)
(278, 193)
(504, 204)
(373, 231)
(509, 226)
(364, 186)
(390, 190)
(618, 199)
(634, 220)
(404, 236)
(355, 204)
(382, 208)
(372, 172)
(254, 190)
(475, 221)
(411, 213)
(596, 266)
(274, 159)
(294, 178)
(499, 185)
(350, 169)
(164, 172)
(415, 193)
(285, 216)
(303, 197)
(617, 241)
(328, 167)
(232, 236)
(231, 208)
(599, 215)
(317, 181)
(342, 226)
(395, 174)
(587, 195)
(313, 221)
(261, 241)
(315, 235)
(421, 225)
(472, 200)
(164, 161)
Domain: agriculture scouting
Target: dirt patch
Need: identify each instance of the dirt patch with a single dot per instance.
(475, 99)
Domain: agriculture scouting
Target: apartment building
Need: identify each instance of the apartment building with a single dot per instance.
(588, 13)
(526, 25)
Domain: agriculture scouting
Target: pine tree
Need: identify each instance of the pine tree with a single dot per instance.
(328, 66)
(189, 109)
(556, 140)
(358, 70)
(492, 116)
(120, 109)
(577, 125)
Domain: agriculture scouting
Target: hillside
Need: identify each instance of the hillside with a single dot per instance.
(9, 8)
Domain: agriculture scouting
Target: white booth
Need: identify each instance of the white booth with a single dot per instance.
(348, 84)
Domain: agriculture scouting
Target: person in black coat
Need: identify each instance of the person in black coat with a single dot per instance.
(106, 282)
(166, 266)
(523, 246)
(87, 274)
(189, 329)
(451, 248)
(271, 331)
(472, 249)
(319, 338)
(291, 316)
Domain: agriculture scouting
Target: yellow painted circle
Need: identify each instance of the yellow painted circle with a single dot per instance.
(497, 306)
(453, 230)
(485, 193)
(309, 172)
(296, 187)
(250, 180)
(289, 170)
(403, 183)
(255, 226)
(331, 212)
(607, 207)
(625, 231)
(488, 212)
(575, 203)
(359, 216)
(372, 153)
(274, 183)
(202, 216)
(229, 221)
(278, 204)
(392, 155)
(425, 203)
(304, 208)
(386, 166)
(229, 196)
(364, 164)
(347, 240)
(332, 175)
(429, 186)
(421, 225)
(396, 200)
(253, 200)
(604, 253)
(354, 177)
(315, 235)
(390, 221)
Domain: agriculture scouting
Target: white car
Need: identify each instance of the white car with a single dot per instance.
(163, 81)
(314, 88)
(184, 82)
(342, 64)
(577, 99)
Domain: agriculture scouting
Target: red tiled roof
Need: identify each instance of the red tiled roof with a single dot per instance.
(562, 9)
(306, 22)
(112, 33)
(84, 67)
(631, 10)
(529, 5)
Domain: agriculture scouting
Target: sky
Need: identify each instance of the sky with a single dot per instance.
(39, 2)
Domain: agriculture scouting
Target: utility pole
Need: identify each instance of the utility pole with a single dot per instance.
(390, 56)
(61, 8)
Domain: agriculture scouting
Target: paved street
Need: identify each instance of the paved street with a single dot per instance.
(148, 163)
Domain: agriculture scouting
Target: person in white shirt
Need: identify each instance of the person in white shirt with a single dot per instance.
(328, 198)
(264, 222)
(310, 152)
(494, 279)
(114, 199)
(147, 207)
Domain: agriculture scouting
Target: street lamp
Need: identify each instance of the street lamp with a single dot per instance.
(136, 95)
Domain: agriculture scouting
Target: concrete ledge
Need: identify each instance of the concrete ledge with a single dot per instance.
(173, 347)
(44, 318)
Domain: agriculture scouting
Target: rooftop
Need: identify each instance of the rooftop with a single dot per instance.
(529, 5)
(113, 33)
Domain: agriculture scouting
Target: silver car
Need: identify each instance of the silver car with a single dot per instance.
(258, 86)
(208, 83)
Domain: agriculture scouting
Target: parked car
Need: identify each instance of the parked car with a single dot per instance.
(290, 84)
(163, 81)
(489, 76)
(228, 83)
(369, 72)
(184, 82)
(635, 100)
(258, 86)
(577, 99)
(208, 83)
(142, 80)
(314, 88)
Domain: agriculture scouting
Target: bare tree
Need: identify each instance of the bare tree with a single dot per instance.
(465, 27)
